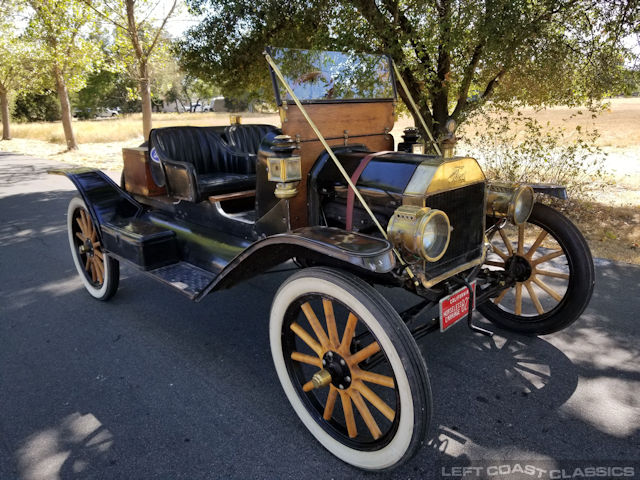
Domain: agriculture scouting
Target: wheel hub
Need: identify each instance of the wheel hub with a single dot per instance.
(519, 267)
(338, 368)
(86, 247)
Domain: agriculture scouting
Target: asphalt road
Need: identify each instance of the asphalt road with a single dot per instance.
(152, 386)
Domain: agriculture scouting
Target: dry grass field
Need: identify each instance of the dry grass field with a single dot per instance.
(612, 224)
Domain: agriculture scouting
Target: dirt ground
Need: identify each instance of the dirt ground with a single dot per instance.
(611, 224)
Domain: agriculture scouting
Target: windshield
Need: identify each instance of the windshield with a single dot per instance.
(317, 76)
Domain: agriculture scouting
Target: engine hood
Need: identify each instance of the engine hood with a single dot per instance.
(413, 176)
(436, 175)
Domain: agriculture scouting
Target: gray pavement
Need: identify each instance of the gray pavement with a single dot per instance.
(152, 386)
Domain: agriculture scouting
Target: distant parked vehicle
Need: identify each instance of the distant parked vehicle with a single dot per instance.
(107, 112)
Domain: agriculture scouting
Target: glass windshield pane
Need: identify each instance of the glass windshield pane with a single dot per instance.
(334, 76)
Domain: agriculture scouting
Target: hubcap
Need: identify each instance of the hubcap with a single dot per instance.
(338, 369)
(519, 267)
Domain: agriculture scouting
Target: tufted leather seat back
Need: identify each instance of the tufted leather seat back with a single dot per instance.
(203, 147)
(247, 138)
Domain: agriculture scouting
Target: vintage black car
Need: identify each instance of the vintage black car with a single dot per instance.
(204, 208)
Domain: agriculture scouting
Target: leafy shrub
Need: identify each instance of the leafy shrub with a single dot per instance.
(519, 148)
(37, 107)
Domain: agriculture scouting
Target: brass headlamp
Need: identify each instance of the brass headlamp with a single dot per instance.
(515, 202)
(420, 231)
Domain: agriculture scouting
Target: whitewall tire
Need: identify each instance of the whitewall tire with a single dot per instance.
(99, 272)
(371, 403)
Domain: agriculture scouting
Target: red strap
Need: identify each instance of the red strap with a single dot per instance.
(354, 179)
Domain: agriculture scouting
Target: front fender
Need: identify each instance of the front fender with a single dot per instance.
(370, 254)
(104, 199)
(550, 189)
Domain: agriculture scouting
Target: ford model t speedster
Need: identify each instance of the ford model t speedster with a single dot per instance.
(204, 208)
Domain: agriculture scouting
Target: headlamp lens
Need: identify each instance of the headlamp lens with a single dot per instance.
(435, 235)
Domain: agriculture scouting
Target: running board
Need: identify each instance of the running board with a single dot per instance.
(184, 277)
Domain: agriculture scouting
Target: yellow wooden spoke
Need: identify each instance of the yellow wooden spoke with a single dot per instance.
(93, 269)
(348, 414)
(334, 340)
(520, 239)
(80, 236)
(366, 414)
(534, 297)
(363, 354)
(537, 243)
(308, 359)
(349, 330)
(307, 387)
(494, 264)
(547, 257)
(99, 265)
(506, 241)
(548, 273)
(87, 264)
(556, 296)
(306, 338)
(500, 253)
(96, 244)
(331, 401)
(315, 324)
(375, 400)
(499, 298)
(518, 299)
(376, 378)
(86, 222)
(80, 222)
(98, 254)
(99, 270)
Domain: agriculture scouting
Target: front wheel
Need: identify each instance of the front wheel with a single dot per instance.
(350, 368)
(99, 272)
(553, 269)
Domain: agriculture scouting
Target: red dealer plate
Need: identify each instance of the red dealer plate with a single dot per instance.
(455, 307)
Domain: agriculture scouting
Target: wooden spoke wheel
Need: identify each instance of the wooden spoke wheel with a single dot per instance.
(553, 268)
(350, 368)
(98, 271)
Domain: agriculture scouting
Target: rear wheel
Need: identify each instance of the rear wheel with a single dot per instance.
(99, 272)
(554, 271)
(350, 368)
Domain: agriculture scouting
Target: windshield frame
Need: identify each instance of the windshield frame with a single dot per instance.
(392, 78)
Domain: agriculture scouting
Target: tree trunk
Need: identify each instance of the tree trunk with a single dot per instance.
(65, 109)
(145, 96)
(4, 107)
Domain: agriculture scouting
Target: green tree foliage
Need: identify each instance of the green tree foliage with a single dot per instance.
(100, 91)
(138, 39)
(61, 32)
(16, 63)
(453, 55)
(196, 90)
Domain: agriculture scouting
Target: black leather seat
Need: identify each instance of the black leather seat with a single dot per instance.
(247, 138)
(197, 162)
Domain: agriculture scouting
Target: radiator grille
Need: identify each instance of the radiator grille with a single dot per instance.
(466, 210)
